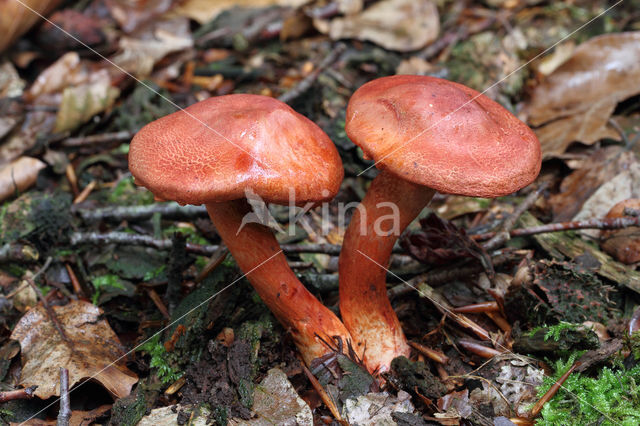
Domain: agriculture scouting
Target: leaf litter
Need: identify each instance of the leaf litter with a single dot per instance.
(66, 117)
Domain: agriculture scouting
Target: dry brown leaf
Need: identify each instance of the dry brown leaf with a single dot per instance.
(623, 244)
(581, 185)
(80, 103)
(16, 19)
(401, 25)
(11, 85)
(204, 11)
(140, 52)
(19, 175)
(93, 350)
(132, 14)
(23, 137)
(78, 418)
(576, 100)
(62, 73)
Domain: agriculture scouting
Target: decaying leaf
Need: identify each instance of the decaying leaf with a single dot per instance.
(275, 401)
(623, 244)
(16, 19)
(90, 350)
(204, 11)
(140, 51)
(19, 175)
(11, 84)
(169, 416)
(133, 14)
(593, 176)
(575, 101)
(376, 408)
(62, 73)
(80, 103)
(78, 418)
(401, 25)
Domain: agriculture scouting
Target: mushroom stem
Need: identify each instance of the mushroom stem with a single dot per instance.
(258, 254)
(387, 209)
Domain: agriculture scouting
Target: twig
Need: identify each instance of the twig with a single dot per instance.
(79, 238)
(75, 283)
(50, 312)
(25, 393)
(432, 354)
(454, 36)
(605, 223)
(172, 210)
(306, 82)
(17, 252)
(504, 234)
(324, 396)
(552, 390)
(613, 123)
(446, 274)
(65, 406)
(479, 349)
(97, 139)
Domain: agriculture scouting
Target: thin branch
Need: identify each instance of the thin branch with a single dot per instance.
(98, 139)
(25, 393)
(125, 238)
(64, 415)
(308, 81)
(604, 224)
(504, 234)
(132, 213)
(50, 312)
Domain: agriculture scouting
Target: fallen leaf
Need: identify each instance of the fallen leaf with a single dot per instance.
(16, 19)
(80, 103)
(401, 25)
(23, 137)
(576, 100)
(62, 73)
(623, 244)
(26, 297)
(415, 65)
(11, 85)
(204, 11)
(140, 51)
(19, 175)
(132, 14)
(376, 408)
(91, 351)
(600, 167)
(78, 418)
(275, 401)
(169, 416)
(83, 27)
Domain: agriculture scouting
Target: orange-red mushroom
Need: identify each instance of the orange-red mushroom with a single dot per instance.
(215, 150)
(426, 134)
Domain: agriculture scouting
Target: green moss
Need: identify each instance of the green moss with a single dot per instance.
(160, 360)
(554, 331)
(129, 410)
(613, 398)
(105, 283)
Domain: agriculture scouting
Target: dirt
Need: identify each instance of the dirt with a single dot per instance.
(221, 379)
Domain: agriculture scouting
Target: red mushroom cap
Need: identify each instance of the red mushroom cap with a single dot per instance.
(443, 135)
(215, 149)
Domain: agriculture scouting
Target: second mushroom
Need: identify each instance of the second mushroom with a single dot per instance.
(425, 134)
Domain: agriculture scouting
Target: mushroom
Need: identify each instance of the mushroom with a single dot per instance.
(215, 150)
(425, 134)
